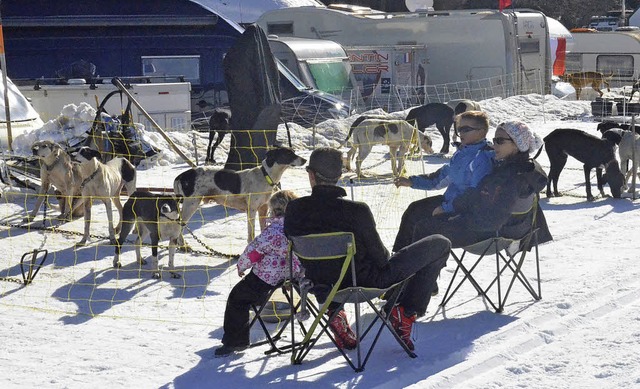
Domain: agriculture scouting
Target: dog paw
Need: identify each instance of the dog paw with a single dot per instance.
(156, 275)
(175, 275)
(117, 265)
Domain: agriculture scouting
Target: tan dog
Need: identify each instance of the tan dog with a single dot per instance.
(57, 169)
(245, 190)
(104, 182)
(582, 79)
(395, 133)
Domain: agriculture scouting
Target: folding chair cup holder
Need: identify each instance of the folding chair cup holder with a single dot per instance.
(339, 247)
(509, 256)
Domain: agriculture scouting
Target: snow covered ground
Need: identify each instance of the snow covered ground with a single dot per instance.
(82, 323)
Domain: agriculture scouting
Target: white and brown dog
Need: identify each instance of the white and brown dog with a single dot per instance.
(245, 190)
(395, 133)
(57, 169)
(104, 182)
(156, 217)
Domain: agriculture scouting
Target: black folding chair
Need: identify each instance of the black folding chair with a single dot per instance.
(510, 255)
(336, 251)
(269, 313)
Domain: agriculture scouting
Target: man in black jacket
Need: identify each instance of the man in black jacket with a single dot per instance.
(325, 210)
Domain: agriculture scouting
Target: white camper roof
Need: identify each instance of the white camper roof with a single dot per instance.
(312, 48)
(248, 11)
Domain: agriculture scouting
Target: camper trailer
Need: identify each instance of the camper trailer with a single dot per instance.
(506, 51)
(615, 53)
(366, 76)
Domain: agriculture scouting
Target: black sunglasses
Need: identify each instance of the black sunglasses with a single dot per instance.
(465, 129)
(499, 141)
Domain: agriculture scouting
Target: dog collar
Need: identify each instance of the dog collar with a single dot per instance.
(86, 180)
(267, 176)
(50, 167)
(178, 220)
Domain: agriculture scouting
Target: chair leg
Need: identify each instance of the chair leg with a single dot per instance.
(272, 339)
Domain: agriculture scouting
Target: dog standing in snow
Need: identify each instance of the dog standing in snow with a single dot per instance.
(156, 217)
(395, 133)
(246, 190)
(104, 182)
(57, 169)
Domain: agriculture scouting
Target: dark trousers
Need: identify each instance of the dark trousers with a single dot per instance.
(250, 290)
(454, 228)
(424, 259)
(416, 212)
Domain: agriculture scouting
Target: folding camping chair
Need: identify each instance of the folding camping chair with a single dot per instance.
(269, 312)
(334, 252)
(509, 254)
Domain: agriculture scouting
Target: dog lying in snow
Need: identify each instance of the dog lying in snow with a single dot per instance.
(104, 182)
(396, 134)
(57, 169)
(592, 151)
(156, 217)
(245, 190)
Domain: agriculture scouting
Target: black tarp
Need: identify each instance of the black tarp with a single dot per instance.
(251, 77)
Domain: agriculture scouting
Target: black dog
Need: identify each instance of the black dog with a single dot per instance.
(156, 216)
(592, 151)
(218, 124)
(608, 125)
(434, 113)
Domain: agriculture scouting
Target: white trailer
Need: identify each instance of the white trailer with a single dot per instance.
(168, 103)
(320, 64)
(616, 52)
(505, 51)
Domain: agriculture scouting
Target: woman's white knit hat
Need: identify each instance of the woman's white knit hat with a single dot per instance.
(525, 139)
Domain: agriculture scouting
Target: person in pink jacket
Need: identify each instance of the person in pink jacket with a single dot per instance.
(266, 257)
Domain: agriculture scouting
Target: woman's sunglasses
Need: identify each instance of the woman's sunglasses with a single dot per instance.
(499, 141)
(465, 129)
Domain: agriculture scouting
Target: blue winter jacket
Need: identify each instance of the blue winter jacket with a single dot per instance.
(469, 164)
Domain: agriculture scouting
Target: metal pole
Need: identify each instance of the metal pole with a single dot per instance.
(634, 167)
(3, 66)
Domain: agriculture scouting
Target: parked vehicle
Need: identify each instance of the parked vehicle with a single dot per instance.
(511, 48)
(615, 53)
(147, 38)
(168, 103)
(320, 64)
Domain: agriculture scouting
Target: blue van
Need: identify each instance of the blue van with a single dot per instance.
(151, 38)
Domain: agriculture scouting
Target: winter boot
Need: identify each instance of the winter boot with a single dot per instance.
(344, 335)
(403, 324)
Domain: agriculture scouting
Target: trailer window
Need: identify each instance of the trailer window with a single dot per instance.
(573, 62)
(530, 46)
(177, 65)
(280, 28)
(619, 65)
(330, 77)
